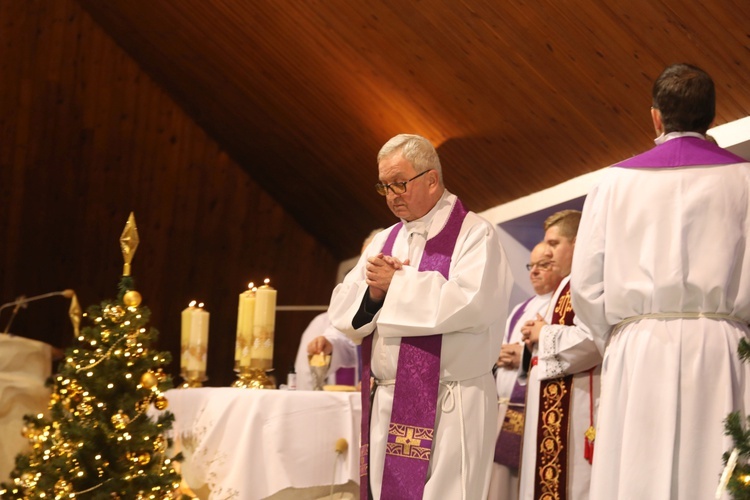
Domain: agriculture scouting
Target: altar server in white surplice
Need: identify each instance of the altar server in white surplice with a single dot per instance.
(511, 394)
(321, 336)
(662, 272)
(428, 300)
(563, 384)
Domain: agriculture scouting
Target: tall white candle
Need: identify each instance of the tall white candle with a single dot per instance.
(263, 326)
(245, 320)
(194, 339)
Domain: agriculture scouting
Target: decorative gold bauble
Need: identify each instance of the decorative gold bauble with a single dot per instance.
(132, 298)
(75, 392)
(62, 487)
(86, 408)
(27, 480)
(160, 444)
(149, 380)
(34, 434)
(161, 403)
(144, 458)
(114, 313)
(120, 420)
(140, 406)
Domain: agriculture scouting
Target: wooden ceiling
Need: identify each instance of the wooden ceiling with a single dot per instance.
(517, 95)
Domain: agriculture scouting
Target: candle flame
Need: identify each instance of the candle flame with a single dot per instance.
(266, 281)
(251, 285)
(200, 305)
(192, 303)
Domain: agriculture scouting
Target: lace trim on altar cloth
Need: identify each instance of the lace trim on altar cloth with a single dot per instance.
(192, 445)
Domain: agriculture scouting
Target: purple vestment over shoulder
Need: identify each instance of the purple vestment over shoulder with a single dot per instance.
(685, 151)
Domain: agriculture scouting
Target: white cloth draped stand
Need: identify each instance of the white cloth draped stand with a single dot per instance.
(258, 444)
(25, 365)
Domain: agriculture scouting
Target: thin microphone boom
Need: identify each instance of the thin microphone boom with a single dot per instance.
(22, 301)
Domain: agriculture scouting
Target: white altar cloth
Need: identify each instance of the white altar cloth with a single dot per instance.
(25, 365)
(251, 444)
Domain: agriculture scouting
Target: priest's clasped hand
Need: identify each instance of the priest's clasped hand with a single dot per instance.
(531, 330)
(379, 272)
(510, 356)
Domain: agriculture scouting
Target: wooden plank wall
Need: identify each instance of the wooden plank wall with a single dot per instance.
(86, 137)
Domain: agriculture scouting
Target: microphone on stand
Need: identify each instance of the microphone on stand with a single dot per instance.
(22, 301)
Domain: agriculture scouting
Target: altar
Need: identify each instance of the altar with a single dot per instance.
(267, 444)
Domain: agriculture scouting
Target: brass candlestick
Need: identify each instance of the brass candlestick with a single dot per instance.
(193, 379)
(253, 378)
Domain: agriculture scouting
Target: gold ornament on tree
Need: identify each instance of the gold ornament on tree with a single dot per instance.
(132, 298)
(86, 408)
(27, 480)
(149, 380)
(129, 243)
(120, 420)
(63, 488)
(160, 444)
(114, 313)
(161, 403)
(141, 406)
(75, 314)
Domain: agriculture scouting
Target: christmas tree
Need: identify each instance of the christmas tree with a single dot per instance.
(99, 441)
(736, 476)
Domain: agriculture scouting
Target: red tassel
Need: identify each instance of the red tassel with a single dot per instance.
(588, 445)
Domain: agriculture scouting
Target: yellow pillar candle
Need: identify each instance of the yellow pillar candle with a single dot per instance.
(245, 320)
(263, 327)
(194, 340)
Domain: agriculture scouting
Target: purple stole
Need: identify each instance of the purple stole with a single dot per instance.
(551, 480)
(684, 151)
(412, 425)
(508, 444)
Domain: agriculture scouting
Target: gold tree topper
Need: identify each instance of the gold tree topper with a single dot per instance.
(129, 243)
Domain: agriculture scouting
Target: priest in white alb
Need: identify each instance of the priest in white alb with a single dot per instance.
(662, 273)
(428, 300)
(511, 393)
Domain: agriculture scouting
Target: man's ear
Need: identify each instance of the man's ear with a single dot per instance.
(656, 118)
(433, 179)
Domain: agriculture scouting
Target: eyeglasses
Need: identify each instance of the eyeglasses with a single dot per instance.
(396, 187)
(542, 266)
